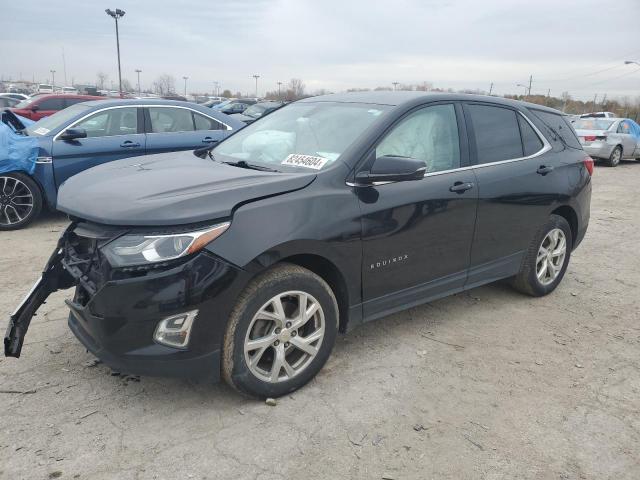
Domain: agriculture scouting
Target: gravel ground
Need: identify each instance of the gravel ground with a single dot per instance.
(486, 384)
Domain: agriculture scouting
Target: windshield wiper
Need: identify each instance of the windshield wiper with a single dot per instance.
(251, 166)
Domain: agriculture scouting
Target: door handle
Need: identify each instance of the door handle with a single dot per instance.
(209, 140)
(129, 144)
(543, 170)
(461, 187)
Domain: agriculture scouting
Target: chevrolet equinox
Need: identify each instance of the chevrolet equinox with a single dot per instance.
(245, 260)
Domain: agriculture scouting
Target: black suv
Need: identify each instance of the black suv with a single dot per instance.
(245, 260)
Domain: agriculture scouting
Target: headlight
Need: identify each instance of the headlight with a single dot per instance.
(130, 250)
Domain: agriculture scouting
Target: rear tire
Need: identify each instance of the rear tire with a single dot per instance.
(546, 259)
(615, 157)
(270, 349)
(20, 200)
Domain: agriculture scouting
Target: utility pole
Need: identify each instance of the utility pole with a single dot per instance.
(215, 86)
(594, 102)
(395, 85)
(185, 85)
(116, 15)
(279, 84)
(64, 68)
(548, 93)
(138, 71)
(53, 78)
(256, 76)
(530, 81)
(491, 88)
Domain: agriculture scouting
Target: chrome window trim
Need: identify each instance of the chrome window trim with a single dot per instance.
(56, 137)
(546, 146)
(228, 127)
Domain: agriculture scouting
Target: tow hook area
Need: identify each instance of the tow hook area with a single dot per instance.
(54, 277)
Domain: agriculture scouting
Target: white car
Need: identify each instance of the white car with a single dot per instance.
(16, 96)
(45, 88)
(609, 139)
(70, 90)
(598, 115)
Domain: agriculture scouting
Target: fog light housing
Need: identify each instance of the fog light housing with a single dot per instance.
(174, 331)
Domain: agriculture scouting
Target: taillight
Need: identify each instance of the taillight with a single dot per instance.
(593, 138)
(588, 163)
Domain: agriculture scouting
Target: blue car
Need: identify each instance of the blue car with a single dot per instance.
(91, 133)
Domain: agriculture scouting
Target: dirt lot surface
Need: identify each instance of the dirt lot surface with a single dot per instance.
(486, 384)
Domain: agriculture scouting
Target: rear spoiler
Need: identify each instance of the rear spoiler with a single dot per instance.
(12, 120)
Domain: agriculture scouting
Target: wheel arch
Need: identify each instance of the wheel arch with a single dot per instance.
(570, 215)
(331, 274)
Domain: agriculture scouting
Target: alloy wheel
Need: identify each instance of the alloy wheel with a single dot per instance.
(16, 201)
(284, 336)
(616, 156)
(551, 255)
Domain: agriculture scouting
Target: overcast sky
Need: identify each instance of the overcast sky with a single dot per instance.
(332, 44)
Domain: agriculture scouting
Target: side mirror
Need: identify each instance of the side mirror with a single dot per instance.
(73, 133)
(389, 168)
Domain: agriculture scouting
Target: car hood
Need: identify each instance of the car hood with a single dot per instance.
(242, 117)
(168, 189)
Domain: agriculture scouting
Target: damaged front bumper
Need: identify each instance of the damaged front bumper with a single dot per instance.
(115, 311)
(54, 277)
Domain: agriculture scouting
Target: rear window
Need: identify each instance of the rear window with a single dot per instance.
(560, 125)
(592, 124)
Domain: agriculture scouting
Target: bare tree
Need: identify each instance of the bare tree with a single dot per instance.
(164, 84)
(126, 85)
(226, 93)
(102, 79)
(295, 89)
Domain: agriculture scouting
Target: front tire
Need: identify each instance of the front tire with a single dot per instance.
(20, 201)
(615, 157)
(280, 333)
(546, 259)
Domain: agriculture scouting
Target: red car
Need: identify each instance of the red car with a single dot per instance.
(39, 106)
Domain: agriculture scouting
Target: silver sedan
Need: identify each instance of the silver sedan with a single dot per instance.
(609, 139)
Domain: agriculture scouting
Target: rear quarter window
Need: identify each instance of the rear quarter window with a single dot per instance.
(561, 125)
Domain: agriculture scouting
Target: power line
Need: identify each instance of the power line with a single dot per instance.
(612, 64)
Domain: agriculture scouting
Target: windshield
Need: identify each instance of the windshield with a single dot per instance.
(26, 102)
(592, 124)
(223, 104)
(58, 119)
(255, 111)
(300, 135)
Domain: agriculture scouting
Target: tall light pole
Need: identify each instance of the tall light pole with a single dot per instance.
(256, 76)
(53, 78)
(116, 15)
(215, 86)
(138, 71)
(279, 85)
(185, 85)
(523, 86)
(395, 85)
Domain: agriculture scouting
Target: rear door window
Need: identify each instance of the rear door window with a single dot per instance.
(167, 119)
(206, 123)
(496, 132)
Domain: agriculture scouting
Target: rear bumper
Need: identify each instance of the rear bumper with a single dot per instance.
(599, 150)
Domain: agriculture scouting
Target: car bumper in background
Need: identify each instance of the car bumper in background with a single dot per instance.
(598, 149)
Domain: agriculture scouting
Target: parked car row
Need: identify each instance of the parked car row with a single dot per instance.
(91, 133)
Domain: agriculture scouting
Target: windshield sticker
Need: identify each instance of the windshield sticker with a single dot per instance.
(307, 161)
(41, 131)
